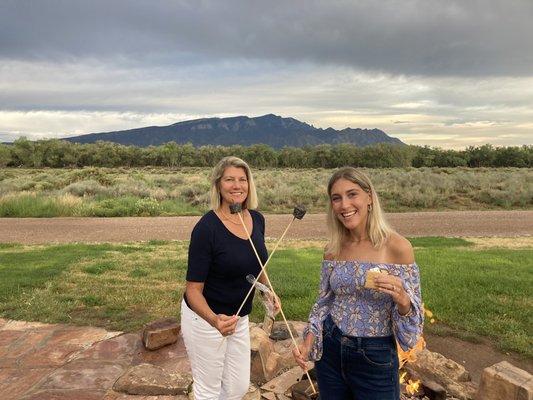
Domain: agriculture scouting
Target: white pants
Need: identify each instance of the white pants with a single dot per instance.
(220, 370)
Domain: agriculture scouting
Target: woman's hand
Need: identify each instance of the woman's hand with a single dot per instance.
(225, 324)
(393, 286)
(301, 355)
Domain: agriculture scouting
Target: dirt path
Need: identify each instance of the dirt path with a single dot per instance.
(475, 357)
(313, 226)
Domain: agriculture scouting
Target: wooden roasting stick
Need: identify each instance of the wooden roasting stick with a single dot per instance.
(299, 212)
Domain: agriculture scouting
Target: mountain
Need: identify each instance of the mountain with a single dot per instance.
(269, 129)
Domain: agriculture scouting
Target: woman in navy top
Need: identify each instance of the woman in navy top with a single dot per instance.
(356, 321)
(220, 258)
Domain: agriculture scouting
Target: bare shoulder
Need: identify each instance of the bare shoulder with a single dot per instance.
(328, 256)
(400, 249)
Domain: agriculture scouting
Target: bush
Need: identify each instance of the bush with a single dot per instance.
(86, 188)
(147, 207)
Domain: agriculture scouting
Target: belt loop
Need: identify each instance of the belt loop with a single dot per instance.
(359, 343)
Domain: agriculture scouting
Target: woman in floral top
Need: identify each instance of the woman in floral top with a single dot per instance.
(356, 321)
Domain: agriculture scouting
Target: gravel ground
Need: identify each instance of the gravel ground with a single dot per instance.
(313, 226)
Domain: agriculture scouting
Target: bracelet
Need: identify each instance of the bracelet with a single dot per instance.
(409, 313)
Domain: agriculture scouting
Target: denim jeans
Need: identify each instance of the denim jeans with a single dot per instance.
(357, 368)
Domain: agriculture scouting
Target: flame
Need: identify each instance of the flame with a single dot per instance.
(412, 387)
(410, 355)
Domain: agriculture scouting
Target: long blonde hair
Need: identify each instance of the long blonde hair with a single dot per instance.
(231, 161)
(376, 226)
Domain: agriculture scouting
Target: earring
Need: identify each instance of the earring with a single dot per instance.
(370, 208)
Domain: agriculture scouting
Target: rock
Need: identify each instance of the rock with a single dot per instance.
(284, 382)
(160, 333)
(505, 381)
(267, 324)
(253, 393)
(299, 326)
(264, 361)
(151, 380)
(434, 390)
(454, 378)
(303, 391)
(284, 349)
(280, 331)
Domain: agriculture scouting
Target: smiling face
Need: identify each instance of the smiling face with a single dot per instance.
(233, 186)
(349, 203)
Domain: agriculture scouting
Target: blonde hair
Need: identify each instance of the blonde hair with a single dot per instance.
(231, 161)
(376, 226)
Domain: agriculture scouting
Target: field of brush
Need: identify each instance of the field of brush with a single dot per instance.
(115, 192)
(476, 288)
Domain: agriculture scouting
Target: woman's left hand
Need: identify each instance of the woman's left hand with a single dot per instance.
(393, 286)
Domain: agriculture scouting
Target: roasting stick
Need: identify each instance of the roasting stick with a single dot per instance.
(272, 289)
(298, 213)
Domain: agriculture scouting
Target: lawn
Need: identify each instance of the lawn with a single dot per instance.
(473, 291)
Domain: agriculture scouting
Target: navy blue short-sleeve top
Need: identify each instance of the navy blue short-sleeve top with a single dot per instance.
(222, 261)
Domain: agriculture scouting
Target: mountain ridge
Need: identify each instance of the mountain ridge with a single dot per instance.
(269, 129)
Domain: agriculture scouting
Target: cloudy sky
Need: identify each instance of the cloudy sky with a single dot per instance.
(430, 72)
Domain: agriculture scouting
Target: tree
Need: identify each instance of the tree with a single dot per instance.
(5, 155)
(482, 156)
(22, 153)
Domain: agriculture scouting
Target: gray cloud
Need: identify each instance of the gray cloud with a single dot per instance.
(444, 73)
(413, 37)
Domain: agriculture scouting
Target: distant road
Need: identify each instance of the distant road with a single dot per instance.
(313, 226)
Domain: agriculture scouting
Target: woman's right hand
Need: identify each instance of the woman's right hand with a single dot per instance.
(226, 324)
(301, 355)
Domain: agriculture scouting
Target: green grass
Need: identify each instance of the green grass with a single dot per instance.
(487, 292)
(439, 241)
(474, 293)
(113, 192)
(101, 285)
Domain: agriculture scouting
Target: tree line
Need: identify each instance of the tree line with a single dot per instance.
(55, 153)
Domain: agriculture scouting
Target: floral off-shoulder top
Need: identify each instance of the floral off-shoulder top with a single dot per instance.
(358, 311)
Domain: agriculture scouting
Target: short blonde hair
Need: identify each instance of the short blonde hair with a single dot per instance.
(231, 161)
(376, 226)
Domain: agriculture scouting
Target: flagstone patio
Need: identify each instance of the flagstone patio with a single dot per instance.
(62, 362)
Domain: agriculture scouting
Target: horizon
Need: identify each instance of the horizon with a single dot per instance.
(447, 75)
(257, 116)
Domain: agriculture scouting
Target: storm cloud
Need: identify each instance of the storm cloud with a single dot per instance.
(425, 71)
(428, 37)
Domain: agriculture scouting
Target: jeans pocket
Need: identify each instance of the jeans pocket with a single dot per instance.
(378, 356)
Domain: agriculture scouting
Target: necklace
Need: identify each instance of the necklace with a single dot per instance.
(227, 218)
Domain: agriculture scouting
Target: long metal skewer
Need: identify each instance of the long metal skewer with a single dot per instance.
(274, 293)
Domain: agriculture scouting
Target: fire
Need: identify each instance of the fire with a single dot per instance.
(411, 386)
(410, 355)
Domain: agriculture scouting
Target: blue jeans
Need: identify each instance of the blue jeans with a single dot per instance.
(357, 368)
